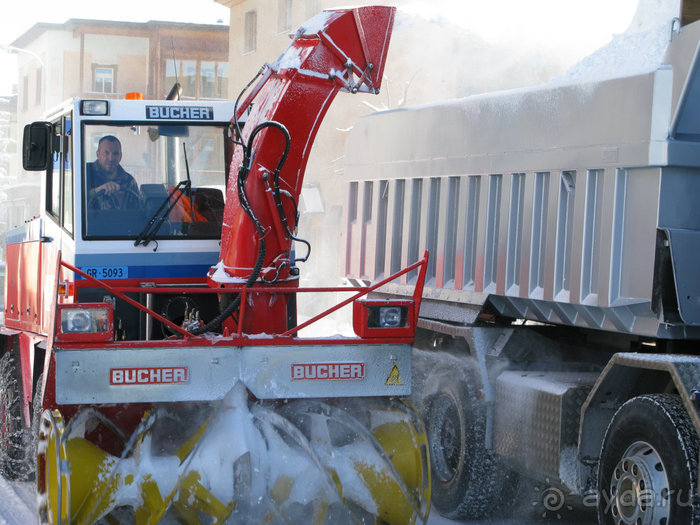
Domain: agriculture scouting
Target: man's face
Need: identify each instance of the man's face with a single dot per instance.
(109, 155)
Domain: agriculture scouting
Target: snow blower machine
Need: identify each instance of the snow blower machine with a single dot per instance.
(153, 368)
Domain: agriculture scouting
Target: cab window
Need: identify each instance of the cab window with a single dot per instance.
(67, 200)
(53, 192)
(59, 194)
(149, 182)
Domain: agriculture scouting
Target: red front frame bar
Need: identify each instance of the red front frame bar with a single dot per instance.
(120, 291)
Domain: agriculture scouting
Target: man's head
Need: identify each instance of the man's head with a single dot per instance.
(109, 155)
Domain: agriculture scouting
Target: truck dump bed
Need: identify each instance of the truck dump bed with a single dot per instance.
(571, 204)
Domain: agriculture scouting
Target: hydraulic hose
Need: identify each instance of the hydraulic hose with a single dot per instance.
(243, 173)
(262, 251)
(238, 139)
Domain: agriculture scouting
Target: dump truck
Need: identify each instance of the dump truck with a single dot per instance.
(560, 323)
(153, 366)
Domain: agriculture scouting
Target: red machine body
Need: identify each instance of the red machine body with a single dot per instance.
(110, 330)
(335, 50)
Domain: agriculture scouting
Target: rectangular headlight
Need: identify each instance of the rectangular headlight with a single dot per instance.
(384, 318)
(387, 316)
(94, 107)
(85, 322)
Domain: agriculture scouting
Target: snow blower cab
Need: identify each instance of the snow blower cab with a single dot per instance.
(133, 192)
(151, 339)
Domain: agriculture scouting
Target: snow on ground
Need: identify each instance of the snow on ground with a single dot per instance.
(18, 507)
(17, 503)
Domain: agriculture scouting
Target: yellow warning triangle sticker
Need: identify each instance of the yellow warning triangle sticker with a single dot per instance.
(394, 376)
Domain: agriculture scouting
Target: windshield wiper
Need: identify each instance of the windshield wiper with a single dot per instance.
(183, 187)
(151, 229)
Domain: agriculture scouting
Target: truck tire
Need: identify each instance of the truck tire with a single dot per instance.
(648, 467)
(467, 481)
(15, 439)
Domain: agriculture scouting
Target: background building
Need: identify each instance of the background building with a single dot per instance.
(94, 58)
(102, 59)
(8, 173)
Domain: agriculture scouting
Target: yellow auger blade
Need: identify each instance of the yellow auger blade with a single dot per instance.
(389, 457)
(407, 449)
(92, 489)
(303, 461)
(69, 473)
(80, 483)
(406, 444)
(53, 478)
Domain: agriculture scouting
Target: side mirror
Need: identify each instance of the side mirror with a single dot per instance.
(36, 146)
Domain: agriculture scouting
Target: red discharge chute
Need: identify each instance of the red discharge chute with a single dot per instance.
(341, 49)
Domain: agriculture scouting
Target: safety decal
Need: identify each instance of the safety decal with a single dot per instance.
(394, 376)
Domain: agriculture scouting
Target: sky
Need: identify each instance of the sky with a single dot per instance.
(569, 27)
(535, 22)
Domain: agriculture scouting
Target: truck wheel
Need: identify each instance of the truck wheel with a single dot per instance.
(648, 467)
(466, 478)
(14, 437)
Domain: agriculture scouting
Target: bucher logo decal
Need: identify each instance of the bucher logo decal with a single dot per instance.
(328, 371)
(180, 112)
(148, 376)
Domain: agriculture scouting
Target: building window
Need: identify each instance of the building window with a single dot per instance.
(213, 80)
(284, 15)
(222, 79)
(250, 31)
(199, 79)
(172, 74)
(184, 72)
(207, 80)
(39, 84)
(103, 80)
(188, 78)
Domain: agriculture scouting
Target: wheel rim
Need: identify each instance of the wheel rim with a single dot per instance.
(639, 487)
(445, 439)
